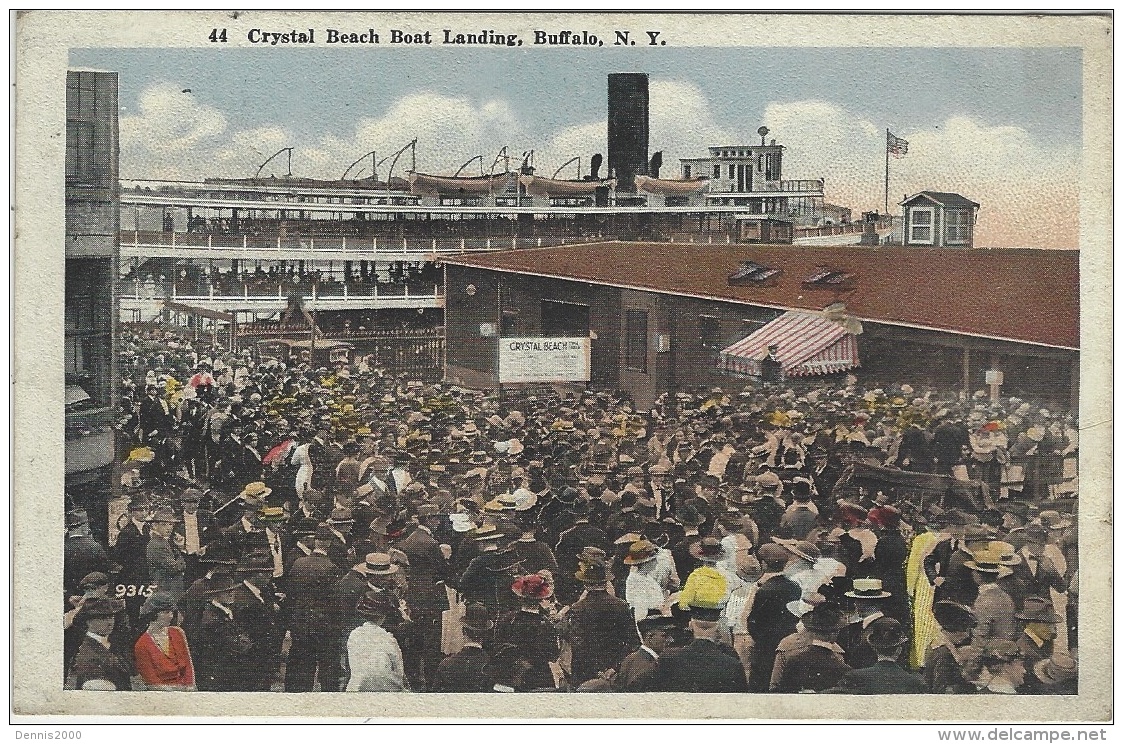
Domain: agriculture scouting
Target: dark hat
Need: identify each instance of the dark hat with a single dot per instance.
(581, 507)
(868, 589)
(689, 516)
(476, 618)
(165, 515)
(655, 621)
(102, 607)
(252, 563)
(340, 515)
(709, 614)
(375, 605)
(1034, 533)
(592, 572)
(218, 552)
(95, 578)
(772, 555)
(885, 633)
(191, 495)
(824, 618)
(955, 517)
(953, 617)
(158, 602)
(1037, 610)
(708, 549)
(323, 532)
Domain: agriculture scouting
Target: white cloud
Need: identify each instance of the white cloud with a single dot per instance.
(1027, 190)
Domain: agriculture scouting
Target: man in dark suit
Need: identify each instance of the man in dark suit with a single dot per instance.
(198, 529)
(638, 667)
(469, 669)
(943, 667)
(1035, 574)
(155, 416)
(886, 676)
(313, 619)
(259, 611)
(769, 619)
(426, 574)
(818, 665)
(82, 554)
(601, 628)
(572, 541)
(703, 665)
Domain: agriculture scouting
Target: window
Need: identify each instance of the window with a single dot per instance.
(709, 328)
(686, 170)
(732, 170)
(920, 225)
(677, 201)
(635, 340)
(956, 226)
(717, 171)
(564, 319)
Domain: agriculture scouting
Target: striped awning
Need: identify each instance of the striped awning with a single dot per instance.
(809, 344)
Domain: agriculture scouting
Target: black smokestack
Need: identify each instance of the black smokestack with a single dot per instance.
(627, 127)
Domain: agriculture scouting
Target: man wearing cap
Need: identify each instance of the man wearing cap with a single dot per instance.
(819, 664)
(943, 667)
(96, 660)
(313, 619)
(469, 669)
(426, 574)
(601, 628)
(886, 676)
(634, 674)
(1035, 574)
(769, 620)
(703, 665)
(165, 558)
(131, 550)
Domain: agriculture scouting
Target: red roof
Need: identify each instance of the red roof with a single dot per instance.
(1021, 294)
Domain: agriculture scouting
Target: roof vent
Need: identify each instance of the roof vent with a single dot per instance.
(826, 277)
(750, 272)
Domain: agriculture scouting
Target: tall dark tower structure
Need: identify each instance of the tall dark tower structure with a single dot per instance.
(627, 128)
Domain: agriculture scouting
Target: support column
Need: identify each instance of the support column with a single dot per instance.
(966, 384)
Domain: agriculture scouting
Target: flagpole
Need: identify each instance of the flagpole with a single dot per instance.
(887, 171)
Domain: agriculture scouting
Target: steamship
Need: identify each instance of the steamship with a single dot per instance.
(363, 252)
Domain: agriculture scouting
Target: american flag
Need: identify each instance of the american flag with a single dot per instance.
(895, 146)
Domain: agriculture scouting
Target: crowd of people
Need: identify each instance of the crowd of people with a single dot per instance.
(294, 528)
(150, 281)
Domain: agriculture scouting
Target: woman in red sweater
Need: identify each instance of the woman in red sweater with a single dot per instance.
(162, 657)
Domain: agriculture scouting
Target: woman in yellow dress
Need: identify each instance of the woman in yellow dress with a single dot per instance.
(921, 594)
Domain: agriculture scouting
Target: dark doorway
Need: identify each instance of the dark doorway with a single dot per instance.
(564, 319)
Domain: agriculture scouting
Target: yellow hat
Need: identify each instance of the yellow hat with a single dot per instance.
(142, 454)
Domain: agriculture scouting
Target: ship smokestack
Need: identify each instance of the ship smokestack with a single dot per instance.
(627, 128)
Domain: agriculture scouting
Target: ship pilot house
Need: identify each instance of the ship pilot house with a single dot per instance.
(938, 219)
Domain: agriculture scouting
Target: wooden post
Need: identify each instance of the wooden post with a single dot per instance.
(966, 370)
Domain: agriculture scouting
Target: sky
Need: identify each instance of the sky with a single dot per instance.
(1000, 126)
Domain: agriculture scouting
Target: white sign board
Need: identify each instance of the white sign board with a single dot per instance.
(536, 359)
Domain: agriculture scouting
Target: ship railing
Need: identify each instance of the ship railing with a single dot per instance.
(365, 248)
(813, 185)
(192, 291)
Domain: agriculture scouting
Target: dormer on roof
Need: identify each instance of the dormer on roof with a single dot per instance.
(751, 273)
(827, 277)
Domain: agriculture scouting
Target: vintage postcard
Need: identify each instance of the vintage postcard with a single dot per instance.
(680, 366)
